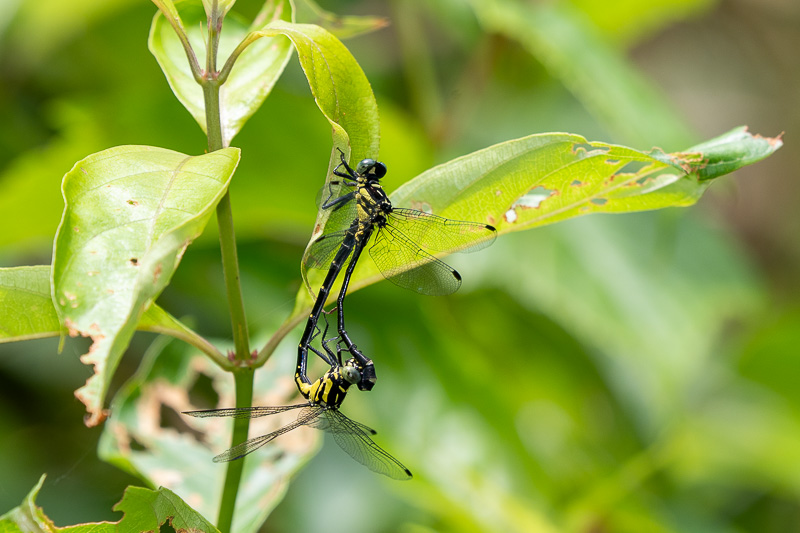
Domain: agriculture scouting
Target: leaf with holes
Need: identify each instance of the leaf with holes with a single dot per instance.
(147, 436)
(252, 77)
(547, 178)
(130, 213)
(148, 510)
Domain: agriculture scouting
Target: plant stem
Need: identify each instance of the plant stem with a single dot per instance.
(243, 380)
(243, 375)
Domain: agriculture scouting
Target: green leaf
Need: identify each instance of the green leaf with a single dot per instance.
(250, 81)
(28, 518)
(130, 213)
(27, 311)
(26, 304)
(147, 436)
(343, 94)
(340, 88)
(145, 510)
(148, 510)
(547, 178)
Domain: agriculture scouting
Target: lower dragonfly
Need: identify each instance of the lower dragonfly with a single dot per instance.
(321, 411)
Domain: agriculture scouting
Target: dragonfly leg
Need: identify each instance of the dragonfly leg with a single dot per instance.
(301, 372)
(365, 364)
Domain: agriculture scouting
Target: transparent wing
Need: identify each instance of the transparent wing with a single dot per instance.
(405, 264)
(306, 417)
(243, 412)
(350, 436)
(441, 234)
(321, 253)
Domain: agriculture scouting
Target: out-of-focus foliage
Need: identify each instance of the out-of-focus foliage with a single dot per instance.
(614, 373)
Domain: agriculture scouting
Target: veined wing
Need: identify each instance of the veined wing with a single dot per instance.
(323, 424)
(306, 417)
(243, 412)
(403, 263)
(322, 251)
(441, 234)
(350, 436)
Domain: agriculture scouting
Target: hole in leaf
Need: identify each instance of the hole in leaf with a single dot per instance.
(585, 150)
(533, 198)
(599, 201)
(633, 167)
(202, 393)
(136, 446)
(133, 261)
(169, 418)
(166, 527)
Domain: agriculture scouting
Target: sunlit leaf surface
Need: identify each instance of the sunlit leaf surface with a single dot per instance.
(148, 510)
(130, 213)
(547, 178)
(27, 310)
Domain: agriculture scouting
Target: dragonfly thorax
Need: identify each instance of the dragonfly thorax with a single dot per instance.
(331, 389)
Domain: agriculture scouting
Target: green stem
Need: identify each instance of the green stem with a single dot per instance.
(243, 379)
(243, 375)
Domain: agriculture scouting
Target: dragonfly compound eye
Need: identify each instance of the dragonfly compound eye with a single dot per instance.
(371, 168)
(351, 374)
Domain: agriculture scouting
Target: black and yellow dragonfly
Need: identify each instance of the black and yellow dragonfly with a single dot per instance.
(399, 238)
(321, 411)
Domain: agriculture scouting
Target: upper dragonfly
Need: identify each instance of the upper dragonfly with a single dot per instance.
(401, 237)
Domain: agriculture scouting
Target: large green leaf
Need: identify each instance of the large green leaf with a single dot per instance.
(26, 304)
(340, 88)
(146, 434)
(252, 77)
(341, 91)
(27, 310)
(547, 178)
(148, 510)
(130, 213)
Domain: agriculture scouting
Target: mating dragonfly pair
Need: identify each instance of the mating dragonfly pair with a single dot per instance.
(398, 249)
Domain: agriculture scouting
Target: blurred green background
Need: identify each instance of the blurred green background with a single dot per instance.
(609, 374)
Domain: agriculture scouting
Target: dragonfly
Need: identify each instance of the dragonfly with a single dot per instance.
(399, 239)
(321, 411)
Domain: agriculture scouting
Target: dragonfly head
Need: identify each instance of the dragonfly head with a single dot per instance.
(350, 372)
(371, 169)
(366, 373)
